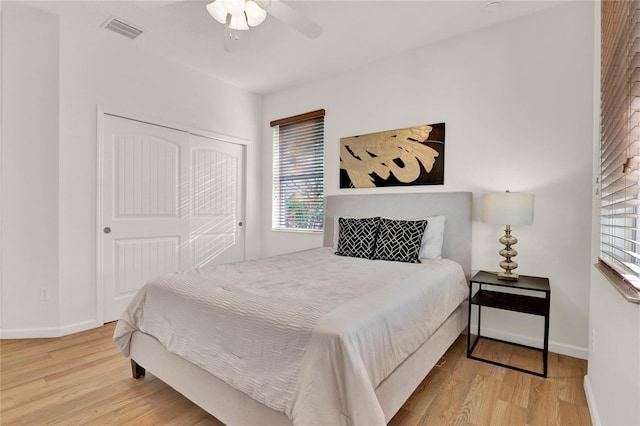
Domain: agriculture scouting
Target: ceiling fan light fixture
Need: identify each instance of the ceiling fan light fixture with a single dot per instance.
(234, 7)
(255, 14)
(238, 22)
(217, 11)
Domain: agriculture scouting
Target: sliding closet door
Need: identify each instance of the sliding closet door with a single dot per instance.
(169, 201)
(217, 182)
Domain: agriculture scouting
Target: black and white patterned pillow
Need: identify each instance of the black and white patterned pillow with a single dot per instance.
(399, 240)
(357, 237)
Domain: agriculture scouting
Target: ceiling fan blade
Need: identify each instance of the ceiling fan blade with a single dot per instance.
(290, 16)
(152, 4)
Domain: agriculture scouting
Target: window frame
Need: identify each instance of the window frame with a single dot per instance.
(307, 131)
(619, 152)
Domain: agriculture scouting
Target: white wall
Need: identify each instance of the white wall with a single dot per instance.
(30, 83)
(97, 67)
(613, 380)
(517, 102)
(613, 384)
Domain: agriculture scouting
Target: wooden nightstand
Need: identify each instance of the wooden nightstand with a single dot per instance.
(513, 302)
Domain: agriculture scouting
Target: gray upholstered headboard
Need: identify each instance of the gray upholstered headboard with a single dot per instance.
(456, 206)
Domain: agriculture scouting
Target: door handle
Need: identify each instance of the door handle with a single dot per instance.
(107, 230)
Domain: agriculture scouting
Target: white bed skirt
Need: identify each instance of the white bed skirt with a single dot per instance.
(233, 407)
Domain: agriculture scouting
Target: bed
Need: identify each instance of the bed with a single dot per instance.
(320, 390)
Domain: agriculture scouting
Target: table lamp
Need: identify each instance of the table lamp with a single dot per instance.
(508, 208)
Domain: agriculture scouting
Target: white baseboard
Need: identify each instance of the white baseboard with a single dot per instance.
(47, 332)
(556, 347)
(591, 402)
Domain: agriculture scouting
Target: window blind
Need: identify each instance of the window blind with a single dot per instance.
(620, 139)
(298, 172)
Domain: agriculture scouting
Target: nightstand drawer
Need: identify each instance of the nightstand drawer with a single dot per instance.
(511, 302)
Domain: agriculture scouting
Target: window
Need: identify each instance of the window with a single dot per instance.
(620, 140)
(298, 172)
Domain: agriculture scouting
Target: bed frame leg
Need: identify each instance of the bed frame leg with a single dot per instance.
(136, 370)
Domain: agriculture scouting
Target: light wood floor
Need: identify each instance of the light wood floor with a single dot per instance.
(83, 379)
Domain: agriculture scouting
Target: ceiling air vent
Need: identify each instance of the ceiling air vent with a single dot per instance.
(123, 28)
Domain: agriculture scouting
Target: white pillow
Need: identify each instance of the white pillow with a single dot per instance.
(431, 245)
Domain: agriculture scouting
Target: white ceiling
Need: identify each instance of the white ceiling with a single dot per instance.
(275, 56)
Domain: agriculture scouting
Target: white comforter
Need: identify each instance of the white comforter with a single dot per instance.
(310, 334)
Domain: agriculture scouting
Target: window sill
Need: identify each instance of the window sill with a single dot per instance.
(631, 294)
(298, 231)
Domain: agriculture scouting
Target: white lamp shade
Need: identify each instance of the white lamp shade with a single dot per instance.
(218, 11)
(255, 14)
(238, 22)
(234, 7)
(507, 208)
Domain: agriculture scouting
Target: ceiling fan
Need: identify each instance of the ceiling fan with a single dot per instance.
(238, 16)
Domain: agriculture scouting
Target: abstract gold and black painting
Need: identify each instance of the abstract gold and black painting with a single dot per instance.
(411, 156)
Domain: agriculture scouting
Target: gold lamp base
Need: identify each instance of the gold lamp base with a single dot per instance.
(513, 276)
(508, 253)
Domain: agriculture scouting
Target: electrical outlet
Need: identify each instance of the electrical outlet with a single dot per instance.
(44, 293)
